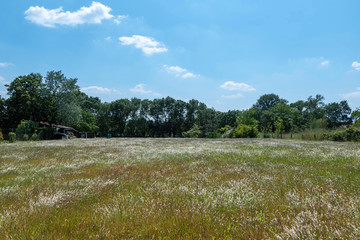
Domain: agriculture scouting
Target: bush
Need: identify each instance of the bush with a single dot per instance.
(1, 137)
(245, 131)
(194, 132)
(25, 127)
(12, 137)
(34, 137)
(350, 134)
(226, 132)
(213, 134)
(25, 137)
(45, 133)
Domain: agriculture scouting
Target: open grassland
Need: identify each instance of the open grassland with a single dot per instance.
(179, 189)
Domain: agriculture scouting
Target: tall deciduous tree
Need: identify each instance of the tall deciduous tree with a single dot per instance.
(67, 99)
(338, 114)
(27, 99)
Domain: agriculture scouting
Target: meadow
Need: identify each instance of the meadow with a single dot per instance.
(179, 189)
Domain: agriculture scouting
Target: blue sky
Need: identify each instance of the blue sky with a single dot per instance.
(223, 53)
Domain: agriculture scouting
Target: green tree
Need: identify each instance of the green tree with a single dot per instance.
(3, 113)
(266, 102)
(26, 100)
(279, 127)
(338, 114)
(66, 98)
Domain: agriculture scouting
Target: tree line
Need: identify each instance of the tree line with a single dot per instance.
(58, 99)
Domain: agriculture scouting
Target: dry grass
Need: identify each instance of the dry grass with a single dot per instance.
(179, 189)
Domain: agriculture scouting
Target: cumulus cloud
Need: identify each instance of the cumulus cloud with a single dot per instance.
(98, 90)
(234, 86)
(179, 71)
(148, 45)
(140, 88)
(5, 64)
(52, 17)
(356, 66)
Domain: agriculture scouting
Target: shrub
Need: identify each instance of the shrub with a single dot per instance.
(226, 132)
(213, 134)
(350, 134)
(25, 127)
(45, 133)
(12, 137)
(34, 137)
(245, 131)
(194, 132)
(1, 137)
(25, 137)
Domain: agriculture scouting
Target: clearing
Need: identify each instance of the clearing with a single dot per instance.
(179, 189)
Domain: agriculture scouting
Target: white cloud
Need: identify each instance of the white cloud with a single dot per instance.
(108, 38)
(355, 94)
(148, 45)
(98, 90)
(325, 63)
(5, 64)
(188, 75)
(233, 86)
(356, 65)
(140, 88)
(174, 69)
(179, 71)
(118, 19)
(238, 95)
(52, 17)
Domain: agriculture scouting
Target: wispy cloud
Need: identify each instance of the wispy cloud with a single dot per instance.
(5, 64)
(148, 45)
(52, 17)
(234, 86)
(179, 71)
(356, 66)
(238, 95)
(2, 79)
(140, 89)
(98, 90)
(355, 94)
(325, 63)
(119, 18)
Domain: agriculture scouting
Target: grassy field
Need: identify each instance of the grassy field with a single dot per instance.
(179, 189)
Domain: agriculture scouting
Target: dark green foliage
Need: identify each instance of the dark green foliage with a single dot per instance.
(194, 132)
(25, 137)
(58, 100)
(350, 134)
(26, 127)
(338, 114)
(1, 137)
(12, 137)
(34, 137)
(45, 133)
(27, 98)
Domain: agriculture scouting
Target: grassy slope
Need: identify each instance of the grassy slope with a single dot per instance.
(179, 188)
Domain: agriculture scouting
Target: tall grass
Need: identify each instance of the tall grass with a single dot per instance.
(179, 189)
